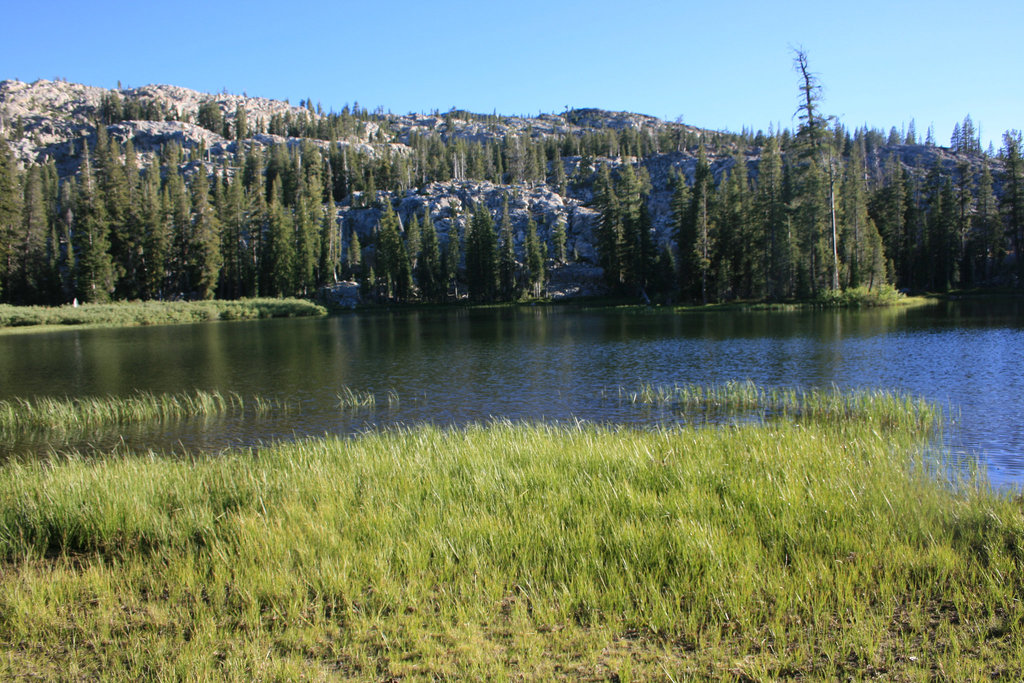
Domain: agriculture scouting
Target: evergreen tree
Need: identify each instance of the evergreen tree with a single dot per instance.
(558, 178)
(115, 189)
(428, 267)
(66, 264)
(506, 257)
(696, 234)
(818, 181)
(306, 248)
(451, 258)
(329, 261)
(534, 259)
(964, 197)
(33, 277)
(887, 207)
(278, 248)
(210, 117)
(241, 123)
(412, 240)
(736, 265)
(770, 220)
(636, 248)
(205, 255)
(939, 246)
(354, 255)
(1012, 203)
(989, 238)
(863, 256)
(95, 270)
(481, 257)
(558, 241)
(394, 274)
(231, 211)
(155, 235)
(609, 230)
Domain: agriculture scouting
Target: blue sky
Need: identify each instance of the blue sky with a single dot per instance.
(719, 65)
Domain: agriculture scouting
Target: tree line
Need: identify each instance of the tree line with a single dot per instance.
(810, 216)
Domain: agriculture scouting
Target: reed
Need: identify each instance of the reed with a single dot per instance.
(745, 398)
(354, 399)
(80, 414)
(818, 548)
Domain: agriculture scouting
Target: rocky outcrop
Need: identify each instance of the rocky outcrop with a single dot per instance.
(48, 120)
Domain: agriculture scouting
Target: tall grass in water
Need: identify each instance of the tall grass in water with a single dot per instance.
(746, 398)
(814, 548)
(21, 416)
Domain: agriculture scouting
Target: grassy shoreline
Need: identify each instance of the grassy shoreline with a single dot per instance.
(816, 548)
(132, 313)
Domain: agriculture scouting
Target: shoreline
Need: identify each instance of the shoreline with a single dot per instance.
(821, 549)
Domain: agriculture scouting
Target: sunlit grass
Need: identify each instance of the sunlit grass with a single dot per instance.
(81, 414)
(813, 546)
(155, 312)
(356, 399)
(745, 398)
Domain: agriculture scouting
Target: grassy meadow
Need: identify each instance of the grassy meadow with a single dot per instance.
(811, 545)
(128, 313)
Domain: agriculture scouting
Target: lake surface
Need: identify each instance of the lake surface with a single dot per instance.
(458, 366)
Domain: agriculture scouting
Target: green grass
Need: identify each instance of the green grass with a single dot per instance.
(818, 547)
(154, 312)
(60, 415)
(746, 399)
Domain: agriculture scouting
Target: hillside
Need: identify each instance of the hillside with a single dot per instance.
(443, 166)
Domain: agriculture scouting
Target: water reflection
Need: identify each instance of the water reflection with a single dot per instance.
(457, 366)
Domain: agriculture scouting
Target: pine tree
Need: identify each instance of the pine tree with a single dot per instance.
(558, 241)
(205, 254)
(859, 235)
(964, 197)
(232, 215)
(819, 180)
(736, 265)
(412, 240)
(210, 117)
(481, 257)
(329, 261)
(609, 231)
(354, 255)
(114, 188)
(66, 264)
(306, 247)
(392, 267)
(451, 258)
(95, 270)
(1012, 203)
(558, 178)
(506, 257)
(155, 235)
(636, 248)
(887, 208)
(241, 123)
(989, 237)
(428, 267)
(696, 236)
(770, 220)
(534, 259)
(33, 278)
(278, 248)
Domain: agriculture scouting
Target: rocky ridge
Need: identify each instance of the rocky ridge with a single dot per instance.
(48, 119)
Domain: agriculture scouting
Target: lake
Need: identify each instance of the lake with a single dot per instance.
(454, 366)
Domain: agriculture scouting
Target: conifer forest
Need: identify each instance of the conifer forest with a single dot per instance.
(286, 201)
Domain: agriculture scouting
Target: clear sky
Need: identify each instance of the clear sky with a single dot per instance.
(721, 65)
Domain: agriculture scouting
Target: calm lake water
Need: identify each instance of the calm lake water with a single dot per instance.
(458, 366)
